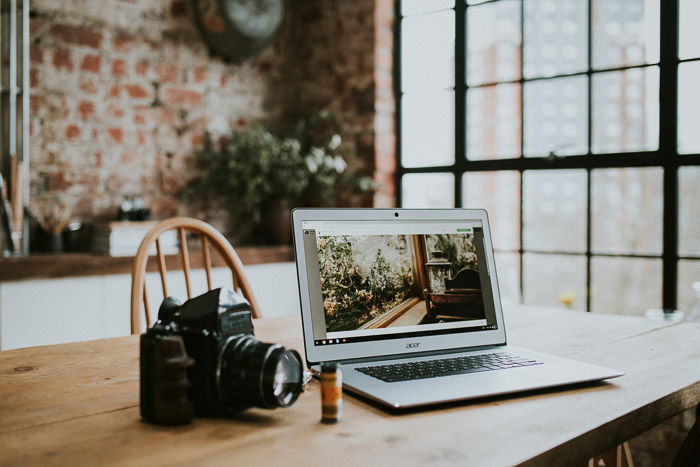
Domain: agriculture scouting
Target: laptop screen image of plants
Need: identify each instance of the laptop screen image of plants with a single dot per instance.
(372, 281)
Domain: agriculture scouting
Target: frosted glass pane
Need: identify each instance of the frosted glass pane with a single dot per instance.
(433, 190)
(689, 40)
(689, 211)
(556, 37)
(413, 7)
(554, 210)
(427, 51)
(627, 208)
(508, 273)
(493, 42)
(625, 32)
(688, 273)
(555, 280)
(556, 117)
(626, 110)
(493, 122)
(427, 129)
(688, 107)
(498, 193)
(626, 286)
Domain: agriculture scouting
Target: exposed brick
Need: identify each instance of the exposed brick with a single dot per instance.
(86, 109)
(127, 157)
(140, 115)
(142, 67)
(91, 63)
(182, 96)
(33, 77)
(116, 112)
(72, 132)
(88, 87)
(96, 159)
(119, 68)
(197, 140)
(136, 91)
(115, 134)
(57, 181)
(115, 91)
(166, 73)
(36, 102)
(123, 43)
(77, 35)
(200, 74)
(141, 137)
(36, 54)
(61, 59)
(167, 115)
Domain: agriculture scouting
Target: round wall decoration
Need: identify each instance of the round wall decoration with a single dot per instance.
(237, 29)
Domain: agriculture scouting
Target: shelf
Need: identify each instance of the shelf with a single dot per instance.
(45, 266)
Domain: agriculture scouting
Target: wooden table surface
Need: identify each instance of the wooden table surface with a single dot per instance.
(78, 404)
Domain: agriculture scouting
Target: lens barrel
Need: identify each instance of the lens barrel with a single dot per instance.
(256, 374)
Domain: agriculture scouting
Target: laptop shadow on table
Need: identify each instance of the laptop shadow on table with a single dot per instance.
(514, 397)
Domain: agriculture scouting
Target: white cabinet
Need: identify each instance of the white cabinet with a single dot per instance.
(53, 311)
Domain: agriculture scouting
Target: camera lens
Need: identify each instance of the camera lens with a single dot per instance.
(257, 374)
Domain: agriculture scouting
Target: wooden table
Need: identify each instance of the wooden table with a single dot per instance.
(78, 403)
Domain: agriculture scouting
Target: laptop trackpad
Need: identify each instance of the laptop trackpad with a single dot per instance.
(451, 388)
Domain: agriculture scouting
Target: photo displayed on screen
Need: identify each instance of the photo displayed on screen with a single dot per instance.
(383, 282)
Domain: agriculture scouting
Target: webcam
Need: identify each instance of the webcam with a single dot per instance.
(396, 214)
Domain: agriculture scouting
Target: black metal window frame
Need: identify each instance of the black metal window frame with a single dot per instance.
(665, 157)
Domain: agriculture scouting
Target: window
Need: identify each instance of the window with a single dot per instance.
(575, 123)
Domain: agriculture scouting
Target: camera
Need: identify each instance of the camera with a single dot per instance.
(201, 358)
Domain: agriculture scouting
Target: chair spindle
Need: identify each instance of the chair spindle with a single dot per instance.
(207, 260)
(185, 260)
(161, 267)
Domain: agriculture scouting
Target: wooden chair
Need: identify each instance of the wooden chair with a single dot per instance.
(208, 235)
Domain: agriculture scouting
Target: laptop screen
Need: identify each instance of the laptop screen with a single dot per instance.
(375, 280)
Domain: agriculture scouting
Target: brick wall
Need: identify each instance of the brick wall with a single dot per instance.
(123, 90)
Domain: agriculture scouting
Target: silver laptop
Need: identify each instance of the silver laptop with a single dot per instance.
(407, 302)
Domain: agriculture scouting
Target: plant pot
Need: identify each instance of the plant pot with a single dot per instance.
(277, 220)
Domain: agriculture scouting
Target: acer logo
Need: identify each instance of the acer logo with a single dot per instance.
(412, 345)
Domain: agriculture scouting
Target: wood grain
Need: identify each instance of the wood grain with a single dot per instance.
(80, 401)
(93, 264)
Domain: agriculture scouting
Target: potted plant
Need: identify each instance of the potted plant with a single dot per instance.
(257, 178)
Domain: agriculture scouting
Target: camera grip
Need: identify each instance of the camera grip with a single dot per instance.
(164, 384)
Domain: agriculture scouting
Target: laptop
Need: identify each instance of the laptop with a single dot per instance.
(407, 302)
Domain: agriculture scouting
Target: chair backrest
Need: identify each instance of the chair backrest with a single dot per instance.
(209, 235)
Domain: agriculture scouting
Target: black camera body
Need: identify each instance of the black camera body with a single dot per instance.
(219, 369)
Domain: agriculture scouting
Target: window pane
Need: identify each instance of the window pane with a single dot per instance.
(493, 122)
(413, 7)
(555, 280)
(493, 42)
(427, 51)
(427, 129)
(626, 110)
(508, 273)
(625, 32)
(688, 107)
(689, 40)
(627, 211)
(688, 273)
(626, 286)
(499, 194)
(689, 211)
(556, 37)
(554, 210)
(556, 117)
(432, 190)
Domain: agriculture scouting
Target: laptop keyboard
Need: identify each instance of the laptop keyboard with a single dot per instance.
(446, 367)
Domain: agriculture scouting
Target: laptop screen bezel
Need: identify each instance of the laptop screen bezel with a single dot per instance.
(396, 346)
